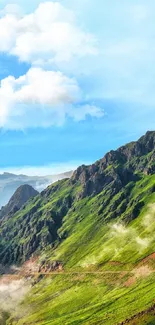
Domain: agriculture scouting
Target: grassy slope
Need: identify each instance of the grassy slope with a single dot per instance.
(92, 299)
(29, 226)
(93, 241)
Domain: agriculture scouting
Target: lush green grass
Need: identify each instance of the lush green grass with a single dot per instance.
(92, 244)
(92, 240)
(86, 299)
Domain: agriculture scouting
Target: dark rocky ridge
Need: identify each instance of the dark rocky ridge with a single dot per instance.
(118, 168)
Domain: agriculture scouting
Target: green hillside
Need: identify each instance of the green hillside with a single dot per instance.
(89, 299)
(100, 226)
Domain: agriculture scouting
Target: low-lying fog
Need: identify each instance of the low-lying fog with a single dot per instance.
(12, 292)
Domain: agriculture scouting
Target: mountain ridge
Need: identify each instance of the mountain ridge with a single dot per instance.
(115, 174)
(88, 244)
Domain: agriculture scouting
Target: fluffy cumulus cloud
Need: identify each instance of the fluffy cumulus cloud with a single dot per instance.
(44, 38)
(41, 98)
(49, 34)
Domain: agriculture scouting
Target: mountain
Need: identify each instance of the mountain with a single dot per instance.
(21, 196)
(110, 181)
(98, 227)
(10, 182)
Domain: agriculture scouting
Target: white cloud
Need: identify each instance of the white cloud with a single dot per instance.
(41, 98)
(49, 34)
(47, 37)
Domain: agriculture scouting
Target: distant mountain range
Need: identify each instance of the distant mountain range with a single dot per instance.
(10, 182)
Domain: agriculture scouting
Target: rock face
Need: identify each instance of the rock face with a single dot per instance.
(19, 198)
(118, 168)
(46, 267)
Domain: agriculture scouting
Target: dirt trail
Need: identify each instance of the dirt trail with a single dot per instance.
(136, 272)
(32, 268)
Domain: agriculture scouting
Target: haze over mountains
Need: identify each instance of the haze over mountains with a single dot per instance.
(10, 182)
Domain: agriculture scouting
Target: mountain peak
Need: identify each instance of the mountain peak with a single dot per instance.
(19, 198)
(26, 190)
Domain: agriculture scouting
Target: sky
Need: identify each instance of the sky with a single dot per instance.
(77, 79)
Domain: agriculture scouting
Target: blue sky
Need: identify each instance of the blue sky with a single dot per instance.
(77, 79)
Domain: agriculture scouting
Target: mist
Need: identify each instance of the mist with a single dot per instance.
(12, 292)
(121, 238)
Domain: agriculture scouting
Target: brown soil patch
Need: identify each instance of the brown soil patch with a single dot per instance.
(142, 271)
(148, 258)
(30, 266)
(131, 281)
